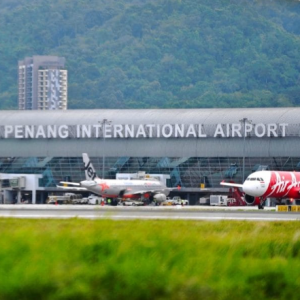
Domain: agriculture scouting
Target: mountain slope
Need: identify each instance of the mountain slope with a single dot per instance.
(160, 53)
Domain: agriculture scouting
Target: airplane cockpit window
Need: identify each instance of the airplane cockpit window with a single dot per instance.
(254, 179)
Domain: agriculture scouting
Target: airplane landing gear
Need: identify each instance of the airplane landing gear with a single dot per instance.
(260, 205)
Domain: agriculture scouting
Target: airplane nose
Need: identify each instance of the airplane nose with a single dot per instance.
(247, 189)
(253, 189)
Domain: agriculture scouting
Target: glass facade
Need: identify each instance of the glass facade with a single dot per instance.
(188, 172)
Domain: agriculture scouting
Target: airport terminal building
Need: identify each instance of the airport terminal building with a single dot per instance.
(198, 148)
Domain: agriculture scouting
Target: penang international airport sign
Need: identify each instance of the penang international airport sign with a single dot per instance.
(134, 131)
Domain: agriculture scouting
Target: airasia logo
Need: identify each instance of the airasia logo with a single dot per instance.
(283, 184)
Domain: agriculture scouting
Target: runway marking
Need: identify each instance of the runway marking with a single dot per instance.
(149, 217)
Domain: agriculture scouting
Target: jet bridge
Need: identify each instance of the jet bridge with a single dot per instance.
(15, 188)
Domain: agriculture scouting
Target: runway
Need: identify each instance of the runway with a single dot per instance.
(145, 212)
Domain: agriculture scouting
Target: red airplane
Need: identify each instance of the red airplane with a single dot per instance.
(269, 184)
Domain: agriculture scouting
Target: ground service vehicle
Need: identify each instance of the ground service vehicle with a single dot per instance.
(176, 200)
(95, 200)
(218, 200)
(67, 198)
(131, 203)
(168, 202)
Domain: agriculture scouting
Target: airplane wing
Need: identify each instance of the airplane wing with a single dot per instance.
(70, 183)
(143, 192)
(73, 188)
(231, 184)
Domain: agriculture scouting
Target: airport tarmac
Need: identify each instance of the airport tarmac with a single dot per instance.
(146, 212)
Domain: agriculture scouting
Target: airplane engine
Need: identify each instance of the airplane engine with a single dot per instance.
(160, 197)
(252, 200)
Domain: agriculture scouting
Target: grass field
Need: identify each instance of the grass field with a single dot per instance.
(105, 259)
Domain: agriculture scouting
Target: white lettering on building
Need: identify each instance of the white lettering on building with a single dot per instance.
(29, 132)
(51, 131)
(18, 131)
(118, 132)
(191, 131)
(200, 133)
(40, 133)
(167, 130)
(219, 131)
(86, 131)
(260, 130)
(236, 130)
(140, 131)
(129, 131)
(179, 130)
(150, 127)
(63, 131)
(107, 130)
(8, 129)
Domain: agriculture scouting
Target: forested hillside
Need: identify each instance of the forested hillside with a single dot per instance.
(158, 53)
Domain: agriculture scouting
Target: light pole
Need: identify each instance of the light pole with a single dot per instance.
(104, 122)
(244, 121)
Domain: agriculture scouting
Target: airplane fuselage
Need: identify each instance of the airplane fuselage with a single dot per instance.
(116, 188)
(123, 188)
(273, 184)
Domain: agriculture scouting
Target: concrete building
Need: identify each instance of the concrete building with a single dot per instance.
(198, 148)
(43, 83)
(18, 188)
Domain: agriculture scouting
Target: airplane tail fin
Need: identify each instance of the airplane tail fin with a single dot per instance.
(90, 173)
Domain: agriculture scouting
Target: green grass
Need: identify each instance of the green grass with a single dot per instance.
(105, 259)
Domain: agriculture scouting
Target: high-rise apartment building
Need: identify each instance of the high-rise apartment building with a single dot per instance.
(43, 83)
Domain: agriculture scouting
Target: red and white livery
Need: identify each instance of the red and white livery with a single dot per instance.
(269, 184)
(113, 188)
